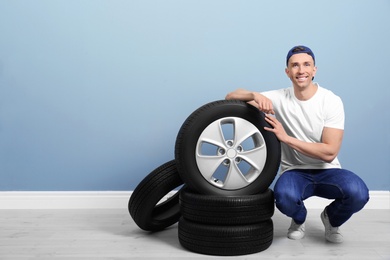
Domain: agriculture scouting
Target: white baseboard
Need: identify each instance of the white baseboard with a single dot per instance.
(120, 199)
(64, 200)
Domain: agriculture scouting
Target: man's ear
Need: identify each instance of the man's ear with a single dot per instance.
(314, 72)
(287, 72)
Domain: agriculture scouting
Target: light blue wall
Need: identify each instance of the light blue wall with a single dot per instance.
(93, 93)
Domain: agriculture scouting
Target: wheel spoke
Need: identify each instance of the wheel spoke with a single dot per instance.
(255, 157)
(234, 179)
(208, 165)
(213, 134)
(243, 130)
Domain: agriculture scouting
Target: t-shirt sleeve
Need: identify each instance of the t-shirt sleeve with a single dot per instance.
(274, 96)
(271, 94)
(334, 115)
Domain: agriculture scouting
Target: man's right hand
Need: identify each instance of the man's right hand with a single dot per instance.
(264, 104)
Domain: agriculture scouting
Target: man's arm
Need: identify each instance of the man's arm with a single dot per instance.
(254, 98)
(326, 151)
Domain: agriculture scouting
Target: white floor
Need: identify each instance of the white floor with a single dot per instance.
(112, 234)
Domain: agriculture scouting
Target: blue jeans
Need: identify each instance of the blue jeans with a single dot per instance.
(348, 190)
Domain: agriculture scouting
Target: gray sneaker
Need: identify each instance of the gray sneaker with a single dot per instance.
(332, 234)
(296, 231)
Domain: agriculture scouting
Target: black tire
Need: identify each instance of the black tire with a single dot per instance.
(229, 155)
(226, 210)
(144, 206)
(225, 240)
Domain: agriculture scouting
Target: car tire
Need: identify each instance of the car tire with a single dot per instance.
(225, 240)
(223, 149)
(226, 210)
(144, 204)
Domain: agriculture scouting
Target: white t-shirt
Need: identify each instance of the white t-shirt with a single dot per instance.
(305, 121)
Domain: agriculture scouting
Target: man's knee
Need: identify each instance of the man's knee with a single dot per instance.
(357, 193)
(286, 200)
(286, 191)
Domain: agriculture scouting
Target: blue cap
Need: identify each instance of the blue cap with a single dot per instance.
(299, 49)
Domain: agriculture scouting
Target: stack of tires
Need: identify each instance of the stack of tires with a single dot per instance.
(227, 162)
(219, 225)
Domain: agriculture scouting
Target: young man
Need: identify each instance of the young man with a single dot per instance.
(309, 122)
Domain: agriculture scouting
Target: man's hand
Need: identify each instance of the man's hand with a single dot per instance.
(264, 104)
(277, 128)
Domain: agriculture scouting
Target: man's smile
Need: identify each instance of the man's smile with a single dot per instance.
(302, 78)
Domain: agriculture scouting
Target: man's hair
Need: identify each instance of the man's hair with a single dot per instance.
(299, 49)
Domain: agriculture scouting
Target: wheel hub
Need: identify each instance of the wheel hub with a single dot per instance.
(231, 153)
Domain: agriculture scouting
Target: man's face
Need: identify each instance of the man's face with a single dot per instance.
(301, 70)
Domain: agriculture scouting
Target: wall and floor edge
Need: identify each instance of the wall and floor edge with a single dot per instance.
(120, 199)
